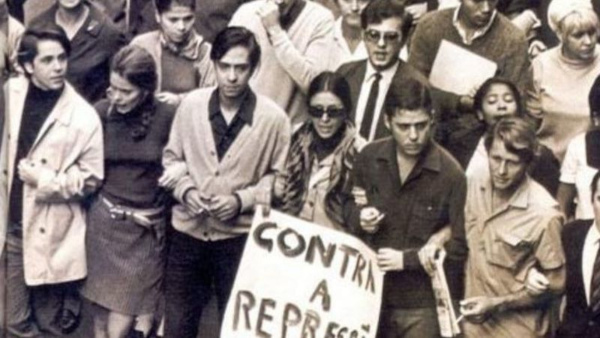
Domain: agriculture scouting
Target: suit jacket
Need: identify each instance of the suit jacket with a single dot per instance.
(578, 319)
(354, 72)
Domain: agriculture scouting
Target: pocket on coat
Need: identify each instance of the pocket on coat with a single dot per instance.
(508, 251)
(424, 219)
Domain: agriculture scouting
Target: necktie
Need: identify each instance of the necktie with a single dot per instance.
(367, 121)
(595, 285)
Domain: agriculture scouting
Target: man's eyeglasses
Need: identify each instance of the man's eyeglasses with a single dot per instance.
(331, 111)
(372, 35)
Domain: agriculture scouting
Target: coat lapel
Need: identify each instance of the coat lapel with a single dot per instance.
(355, 80)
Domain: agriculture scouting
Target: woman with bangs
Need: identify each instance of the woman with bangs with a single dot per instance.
(563, 76)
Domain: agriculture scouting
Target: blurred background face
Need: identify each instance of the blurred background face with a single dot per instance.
(499, 101)
(69, 4)
(233, 72)
(327, 113)
(124, 95)
(580, 43)
(507, 169)
(350, 10)
(477, 13)
(383, 41)
(177, 23)
(411, 129)
(284, 6)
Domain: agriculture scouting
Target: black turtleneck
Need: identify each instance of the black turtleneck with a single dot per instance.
(38, 106)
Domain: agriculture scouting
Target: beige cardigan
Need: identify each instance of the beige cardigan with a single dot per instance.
(258, 152)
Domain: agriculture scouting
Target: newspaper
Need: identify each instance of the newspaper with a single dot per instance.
(446, 315)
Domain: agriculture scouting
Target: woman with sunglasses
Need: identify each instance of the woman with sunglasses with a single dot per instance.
(320, 159)
(126, 221)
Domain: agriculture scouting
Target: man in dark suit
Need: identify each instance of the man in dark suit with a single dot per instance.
(385, 26)
(581, 242)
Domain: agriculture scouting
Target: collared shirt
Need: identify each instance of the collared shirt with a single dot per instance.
(478, 33)
(341, 50)
(590, 250)
(384, 85)
(504, 244)
(431, 197)
(224, 134)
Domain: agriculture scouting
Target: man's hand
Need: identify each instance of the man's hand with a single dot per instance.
(370, 218)
(390, 259)
(28, 172)
(476, 309)
(224, 207)
(428, 255)
(195, 202)
(537, 283)
(360, 196)
(269, 15)
(169, 98)
(171, 175)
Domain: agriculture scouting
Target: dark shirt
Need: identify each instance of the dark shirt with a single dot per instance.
(133, 164)
(432, 197)
(178, 73)
(224, 134)
(92, 48)
(37, 108)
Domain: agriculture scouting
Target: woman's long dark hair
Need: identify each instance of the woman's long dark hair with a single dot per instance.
(331, 82)
(137, 66)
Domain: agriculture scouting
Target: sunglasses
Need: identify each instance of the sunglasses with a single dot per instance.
(331, 111)
(372, 35)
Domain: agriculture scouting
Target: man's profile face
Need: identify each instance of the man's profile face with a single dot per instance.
(411, 130)
(507, 170)
(477, 13)
(49, 66)
(233, 72)
(384, 41)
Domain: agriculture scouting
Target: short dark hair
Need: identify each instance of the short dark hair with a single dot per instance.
(235, 36)
(409, 94)
(331, 82)
(165, 5)
(518, 136)
(28, 48)
(137, 66)
(485, 88)
(594, 184)
(594, 98)
(378, 10)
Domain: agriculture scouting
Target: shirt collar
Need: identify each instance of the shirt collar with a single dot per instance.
(386, 74)
(430, 157)
(246, 111)
(519, 199)
(593, 235)
(478, 33)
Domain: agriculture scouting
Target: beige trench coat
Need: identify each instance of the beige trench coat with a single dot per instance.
(69, 154)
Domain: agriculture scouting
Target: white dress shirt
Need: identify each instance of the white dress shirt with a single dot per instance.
(590, 250)
(384, 85)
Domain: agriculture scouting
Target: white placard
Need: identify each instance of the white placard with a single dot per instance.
(299, 279)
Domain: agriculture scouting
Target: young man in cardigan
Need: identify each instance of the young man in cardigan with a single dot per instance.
(231, 142)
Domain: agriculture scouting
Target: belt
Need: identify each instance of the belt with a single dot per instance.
(147, 218)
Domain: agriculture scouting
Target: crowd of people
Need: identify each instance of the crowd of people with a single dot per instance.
(137, 139)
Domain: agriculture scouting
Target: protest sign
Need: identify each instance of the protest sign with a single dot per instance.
(299, 279)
